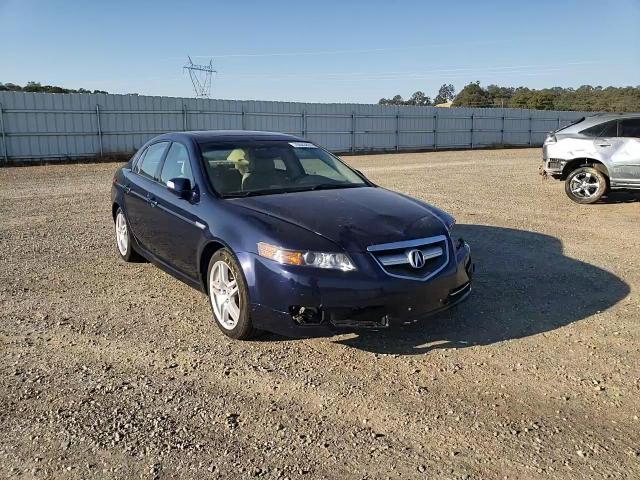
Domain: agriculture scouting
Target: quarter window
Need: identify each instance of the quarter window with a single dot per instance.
(176, 165)
(151, 160)
(607, 129)
(630, 128)
(138, 161)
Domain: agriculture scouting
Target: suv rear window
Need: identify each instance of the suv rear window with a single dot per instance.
(606, 129)
(575, 122)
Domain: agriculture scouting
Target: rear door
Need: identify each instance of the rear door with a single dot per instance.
(606, 138)
(138, 192)
(626, 156)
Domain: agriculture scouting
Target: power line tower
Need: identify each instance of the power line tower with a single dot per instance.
(200, 78)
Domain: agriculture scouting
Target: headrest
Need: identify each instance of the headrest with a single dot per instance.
(239, 157)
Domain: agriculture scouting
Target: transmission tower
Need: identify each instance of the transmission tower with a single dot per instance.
(200, 78)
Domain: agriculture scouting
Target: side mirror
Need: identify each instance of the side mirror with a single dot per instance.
(180, 187)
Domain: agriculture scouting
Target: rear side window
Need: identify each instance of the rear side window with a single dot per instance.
(137, 162)
(630, 128)
(176, 165)
(151, 160)
(607, 129)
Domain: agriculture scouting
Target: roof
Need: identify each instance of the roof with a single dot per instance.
(595, 119)
(203, 136)
(613, 116)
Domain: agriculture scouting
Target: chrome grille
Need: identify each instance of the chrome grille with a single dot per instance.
(394, 258)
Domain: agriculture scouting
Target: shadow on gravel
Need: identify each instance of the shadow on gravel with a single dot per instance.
(619, 197)
(523, 285)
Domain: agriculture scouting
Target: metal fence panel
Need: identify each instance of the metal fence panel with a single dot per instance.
(36, 126)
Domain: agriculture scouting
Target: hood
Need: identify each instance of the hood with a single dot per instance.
(354, 218)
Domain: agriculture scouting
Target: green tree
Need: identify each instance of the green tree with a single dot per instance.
(500, 95)
(418, 98)
(446, 93)
(38, 87)
(521, 98)
(472, 95)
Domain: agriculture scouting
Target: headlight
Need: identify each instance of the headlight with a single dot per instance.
(328, 260)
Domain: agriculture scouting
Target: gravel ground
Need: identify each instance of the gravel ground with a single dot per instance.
(113, 370)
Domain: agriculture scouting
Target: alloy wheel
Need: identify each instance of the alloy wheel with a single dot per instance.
(224, 295)
(122, 239)
(585, 185)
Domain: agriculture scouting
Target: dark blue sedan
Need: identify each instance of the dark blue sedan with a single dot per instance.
(283, 236)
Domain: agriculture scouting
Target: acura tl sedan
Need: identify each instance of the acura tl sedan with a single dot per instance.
(283, 236)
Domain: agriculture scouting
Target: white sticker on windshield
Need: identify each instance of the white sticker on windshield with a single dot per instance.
(302, 145)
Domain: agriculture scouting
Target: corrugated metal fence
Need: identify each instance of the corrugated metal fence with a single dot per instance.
(37, 126)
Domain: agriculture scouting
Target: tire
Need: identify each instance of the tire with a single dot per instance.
(124, 244)
(585, 185)
(230, 310)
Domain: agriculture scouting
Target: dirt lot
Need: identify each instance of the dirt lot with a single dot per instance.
(112, 370)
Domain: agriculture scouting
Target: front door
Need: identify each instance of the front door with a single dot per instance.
(178, 227)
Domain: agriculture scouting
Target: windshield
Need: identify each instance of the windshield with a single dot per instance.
(260, 168)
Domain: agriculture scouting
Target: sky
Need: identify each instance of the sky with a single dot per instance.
(322, 51)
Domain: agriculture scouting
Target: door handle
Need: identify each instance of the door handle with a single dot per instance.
(604, 144)
(127, 189)
(153, 203)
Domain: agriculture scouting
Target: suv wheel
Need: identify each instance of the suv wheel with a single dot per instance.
(228, 296)
(585, 185)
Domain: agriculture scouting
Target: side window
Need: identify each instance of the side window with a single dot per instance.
(137, 162)
(149, 164)
(607, 129)
(630, 128)
(176, 165)
(610, 129)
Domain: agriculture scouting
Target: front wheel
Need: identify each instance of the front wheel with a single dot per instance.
(585, 185)
(228, 296)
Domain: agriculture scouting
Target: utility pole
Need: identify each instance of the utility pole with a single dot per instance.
(200, 77)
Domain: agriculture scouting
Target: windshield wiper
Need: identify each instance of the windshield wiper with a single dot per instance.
(328, 186)
(251, 193)
(306, 188)
(247, 193)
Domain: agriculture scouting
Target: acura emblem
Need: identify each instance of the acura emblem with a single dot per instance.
(416, 258)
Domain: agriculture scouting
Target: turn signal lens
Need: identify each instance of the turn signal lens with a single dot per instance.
(280, 255)
(327, 260)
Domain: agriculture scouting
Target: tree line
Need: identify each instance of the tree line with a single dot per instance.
(585, 98)
(445, 94)
(37, 87)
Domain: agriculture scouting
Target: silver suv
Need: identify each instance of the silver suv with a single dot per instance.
(595, 154)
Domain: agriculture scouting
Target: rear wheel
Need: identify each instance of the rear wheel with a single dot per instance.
(123, 238)
(585, 185)
(228, 296)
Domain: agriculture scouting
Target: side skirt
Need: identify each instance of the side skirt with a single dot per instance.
(167, 268)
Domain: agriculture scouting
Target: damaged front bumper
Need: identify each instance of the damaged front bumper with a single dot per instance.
(303, 302)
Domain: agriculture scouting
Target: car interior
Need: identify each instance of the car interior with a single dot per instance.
(242, 169)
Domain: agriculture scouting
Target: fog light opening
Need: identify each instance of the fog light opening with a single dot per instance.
(305, 315)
